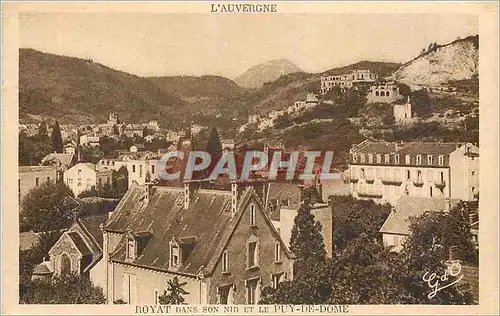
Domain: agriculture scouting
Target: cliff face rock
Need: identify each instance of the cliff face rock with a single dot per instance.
(457, 60)
(259, 74)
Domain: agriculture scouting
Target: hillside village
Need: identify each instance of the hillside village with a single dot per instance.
(406, 145)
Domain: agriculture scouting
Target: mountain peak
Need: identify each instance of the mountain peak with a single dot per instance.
(270, 70)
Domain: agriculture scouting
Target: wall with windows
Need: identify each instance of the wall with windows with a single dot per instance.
(465, 173)
(136, 285)
(250, 261)
(388, 183)
(137, 170)
(32, 177)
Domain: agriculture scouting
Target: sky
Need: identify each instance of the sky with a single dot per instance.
(148, 44)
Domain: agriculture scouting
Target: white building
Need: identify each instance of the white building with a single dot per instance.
(346, 81)
(385, 92)
(402, 112)
(85, 176)
(386, 171)
(90, 140)
(140, 165)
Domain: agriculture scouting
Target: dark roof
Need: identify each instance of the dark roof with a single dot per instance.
(206, 219)
(410, 206)
(283, 191)
(41, 269)
(91, 226)
(79, 243)
(375, 147)
(429, 148)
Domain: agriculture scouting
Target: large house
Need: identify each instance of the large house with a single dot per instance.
(85, 176)
(346, 81)
(221, 243)
(385, 171)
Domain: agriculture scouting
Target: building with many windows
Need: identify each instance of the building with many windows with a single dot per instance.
(221, 243)
(385, 171)
(346, 81)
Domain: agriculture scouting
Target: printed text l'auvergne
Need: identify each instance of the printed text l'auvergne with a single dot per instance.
(243, 7)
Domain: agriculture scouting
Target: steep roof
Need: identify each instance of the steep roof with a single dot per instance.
(79, 243)
(64, 159)
(91, 225)
(23, 169)
(410, 206)
(207, 217)
(429, 148)
(281, 191)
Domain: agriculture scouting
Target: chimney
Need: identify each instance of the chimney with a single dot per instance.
(234, 198)
(187, 197)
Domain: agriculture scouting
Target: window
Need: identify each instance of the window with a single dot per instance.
(473, 173)
(224, 294)
(277, 252)
(48, 179)
(133, 168)
(386, 158)
(37, 181)
(276, 279)
(407, 159)
(370, 158)
(408, 175)
(396, 159)
(251, 286)
(419, 176)
(362, 158)
(225, 261)
(441, 160)
(152, 169)
(362, 175)
(252, 255)
(174, 255)
(429, 160)
(131, 249)
(140, 171)
(379, 158)
(387, 93)
(252, 214)
(355, 158)
(430, 191)
(419, 159)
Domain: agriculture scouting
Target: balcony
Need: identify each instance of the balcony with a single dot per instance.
(392, 182)
(418, 182)
(440, 183)
(353, 180)
(369, 180)
(369, 195)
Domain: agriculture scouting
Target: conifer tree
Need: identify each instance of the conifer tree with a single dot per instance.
(306, 242)
(173, 295)
(214, 146)
(56, 137)
(42, 132)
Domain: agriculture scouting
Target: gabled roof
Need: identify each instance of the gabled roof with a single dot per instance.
(64, 159)
(206, 218)
(79, 243)
(409, 206)
(207, 223)
(91, 225)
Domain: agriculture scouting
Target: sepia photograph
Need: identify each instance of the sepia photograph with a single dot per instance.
(271, 158)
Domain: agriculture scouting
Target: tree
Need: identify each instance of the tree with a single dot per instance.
(306, 242)
(42, 132)
(56, 137)
(421, 103)
(45, 208)
(65, 289)
(32, 150)
(214, 146)
(91, 154)
(173, 295)
(404, 89)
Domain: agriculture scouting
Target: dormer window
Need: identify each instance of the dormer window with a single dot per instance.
(396, 159)
(386, 159)
(355, 158)
(407, 159)
(131, 248)
(379, 158)
(370, 158)
(441, 160)
(429, 159)
(362, 158)
(419, 159)
(175, 255)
